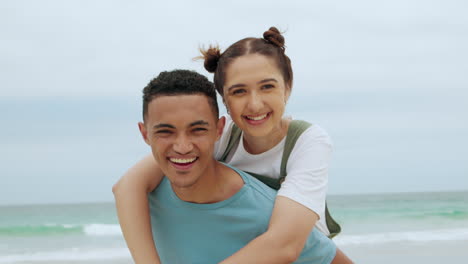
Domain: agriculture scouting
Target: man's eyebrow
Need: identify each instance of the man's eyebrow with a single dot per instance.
(196, 123)
(267, 80)
(163, 126)
(199, 123)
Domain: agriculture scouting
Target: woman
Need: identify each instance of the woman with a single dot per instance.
(254, 78)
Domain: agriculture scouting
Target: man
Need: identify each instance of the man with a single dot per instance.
(203, 211)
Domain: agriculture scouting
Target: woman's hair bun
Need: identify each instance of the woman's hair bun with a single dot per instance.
(273, 35)
(211, 57)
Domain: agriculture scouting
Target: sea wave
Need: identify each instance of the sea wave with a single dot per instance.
(69, 255)
(411, 236)
(62, 229)
(427, 215)
(102, 230)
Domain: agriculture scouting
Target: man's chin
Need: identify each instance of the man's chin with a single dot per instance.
(183, 183)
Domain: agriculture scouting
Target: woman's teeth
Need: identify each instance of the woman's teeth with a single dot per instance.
(256, 118)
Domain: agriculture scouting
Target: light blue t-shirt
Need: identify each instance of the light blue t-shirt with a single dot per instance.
(209, 233)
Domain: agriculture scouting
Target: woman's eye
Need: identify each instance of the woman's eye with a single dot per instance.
(268, 86)
(238, 91)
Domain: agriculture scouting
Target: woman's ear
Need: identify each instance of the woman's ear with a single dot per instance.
(226, 106)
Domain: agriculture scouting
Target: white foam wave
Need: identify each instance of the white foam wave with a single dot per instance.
(413, 236)
(69, 255)
(61, 225)
(102, 230)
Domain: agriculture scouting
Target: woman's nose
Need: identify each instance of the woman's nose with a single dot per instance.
(255, 102)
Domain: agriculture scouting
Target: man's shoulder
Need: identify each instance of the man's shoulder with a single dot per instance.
(162, 192)
(262, 188)
(255, 186)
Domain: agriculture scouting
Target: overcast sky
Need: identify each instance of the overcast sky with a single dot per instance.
(387, 79)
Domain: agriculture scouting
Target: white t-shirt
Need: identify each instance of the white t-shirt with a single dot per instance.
(307, 168)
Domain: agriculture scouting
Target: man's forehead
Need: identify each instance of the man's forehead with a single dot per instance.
(180, 110)
(187, 98)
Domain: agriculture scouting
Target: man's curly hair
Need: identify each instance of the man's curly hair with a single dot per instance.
(179, 82)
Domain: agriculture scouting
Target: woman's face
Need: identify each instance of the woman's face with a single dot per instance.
(255, 94)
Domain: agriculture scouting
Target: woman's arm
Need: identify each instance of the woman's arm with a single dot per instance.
(131, 200)
(289, 228)
(299, 204)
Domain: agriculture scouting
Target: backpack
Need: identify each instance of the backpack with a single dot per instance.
(295, 129)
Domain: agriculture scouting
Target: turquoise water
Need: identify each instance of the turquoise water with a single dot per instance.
(400, 212)
(90, 232)
(74, 232)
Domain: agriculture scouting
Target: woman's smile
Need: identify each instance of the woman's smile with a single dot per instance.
(257, 119)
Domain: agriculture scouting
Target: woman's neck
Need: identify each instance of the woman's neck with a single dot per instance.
(257, 145)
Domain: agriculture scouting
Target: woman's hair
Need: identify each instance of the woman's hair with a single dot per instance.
(271, 46)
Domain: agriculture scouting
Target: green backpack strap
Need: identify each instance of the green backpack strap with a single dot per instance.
(333, 227)
(296, 128)
(233, 139)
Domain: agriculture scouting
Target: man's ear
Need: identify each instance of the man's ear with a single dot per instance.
(144, 132)
(220, 127)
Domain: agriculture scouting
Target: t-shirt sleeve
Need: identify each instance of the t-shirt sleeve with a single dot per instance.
(307, 170)
(221, 144)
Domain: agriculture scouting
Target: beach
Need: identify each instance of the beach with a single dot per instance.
(428, 253)
(404, 252)
(377, 228)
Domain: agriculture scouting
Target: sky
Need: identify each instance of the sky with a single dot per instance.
(386, 79)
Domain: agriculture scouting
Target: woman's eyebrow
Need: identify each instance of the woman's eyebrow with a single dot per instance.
(243, 85)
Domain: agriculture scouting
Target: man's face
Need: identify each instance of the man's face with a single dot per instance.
(182, 131)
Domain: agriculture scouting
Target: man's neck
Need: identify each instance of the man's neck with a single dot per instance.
(218, 184)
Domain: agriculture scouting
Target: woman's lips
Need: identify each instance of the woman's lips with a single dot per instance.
(256, 119)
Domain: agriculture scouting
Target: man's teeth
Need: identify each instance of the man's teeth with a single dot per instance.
(183, 161)
(256, 118)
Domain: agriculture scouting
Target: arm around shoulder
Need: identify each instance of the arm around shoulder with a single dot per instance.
(130, 194)
(289, 228)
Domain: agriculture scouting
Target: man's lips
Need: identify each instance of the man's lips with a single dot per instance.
(183, 163)
(182, 160)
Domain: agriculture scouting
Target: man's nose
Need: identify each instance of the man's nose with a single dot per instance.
(183, 144)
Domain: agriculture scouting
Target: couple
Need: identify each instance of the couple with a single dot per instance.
(205, 211)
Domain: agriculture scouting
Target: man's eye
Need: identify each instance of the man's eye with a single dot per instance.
(268, 86)
(163, 132)
(199, 129)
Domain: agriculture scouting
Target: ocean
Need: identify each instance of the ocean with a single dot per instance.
(383, 228)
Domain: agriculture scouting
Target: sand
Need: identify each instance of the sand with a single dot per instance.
(427, 253)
